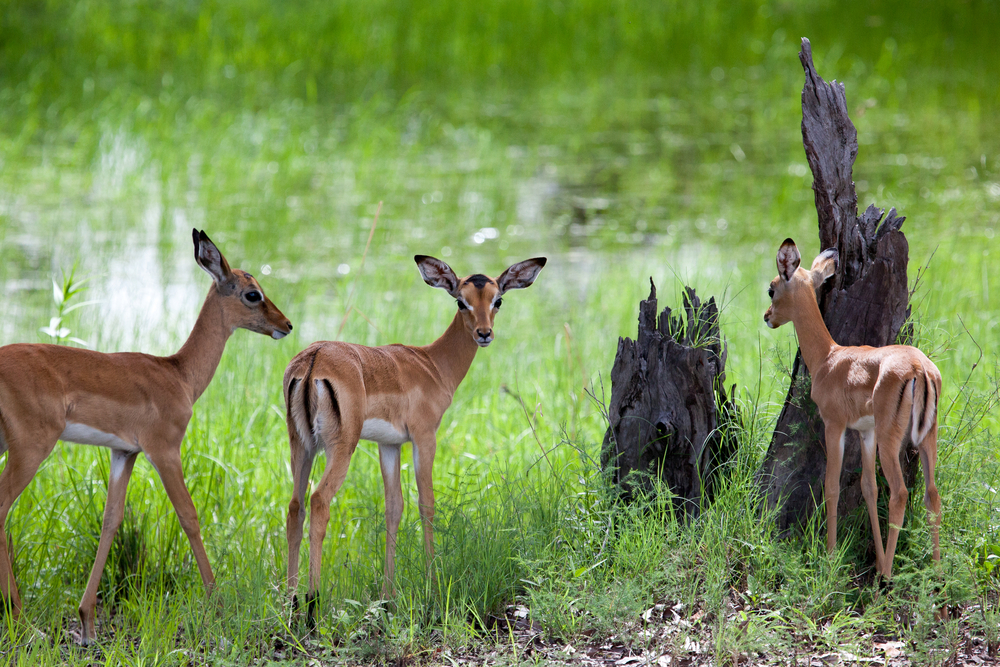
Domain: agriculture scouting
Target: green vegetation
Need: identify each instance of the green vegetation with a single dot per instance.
(655, 139)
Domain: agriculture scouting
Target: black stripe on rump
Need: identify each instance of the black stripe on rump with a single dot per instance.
(288, 399)
(927, 399)
(899, 401)
(307, 383)
(333, 399)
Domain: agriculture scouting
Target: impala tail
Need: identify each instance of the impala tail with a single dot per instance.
(310, 403)
(923, 413)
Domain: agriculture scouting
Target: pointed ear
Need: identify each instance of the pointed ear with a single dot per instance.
(520, 275)
(824, 266)
(788, 259)
(209, 257)
(437, 274)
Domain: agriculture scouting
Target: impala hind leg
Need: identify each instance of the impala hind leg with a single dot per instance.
(301, 463)
(889, 440)
(114, 512)
(870, 491)
(338, 460)
(932, 499)
(22, 464)
(388, 456)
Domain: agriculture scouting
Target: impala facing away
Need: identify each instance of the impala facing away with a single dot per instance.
(337, 393)
(878, 391)
(128, 402)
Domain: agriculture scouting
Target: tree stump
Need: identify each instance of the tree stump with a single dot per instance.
(667, 391)
(866, 304)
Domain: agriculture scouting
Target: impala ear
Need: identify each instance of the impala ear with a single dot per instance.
(437, 274)
(520, 275)
(824, 266)
(788, 259)
(209, 257)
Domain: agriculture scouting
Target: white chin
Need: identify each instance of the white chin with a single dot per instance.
(278, 335)
(769, 325)
(484, 343)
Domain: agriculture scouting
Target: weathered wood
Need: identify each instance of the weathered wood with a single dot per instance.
(864, 304)
(667, 387)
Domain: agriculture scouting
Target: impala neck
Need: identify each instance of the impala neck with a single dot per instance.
(200, 355)
(815, 340)
(453, 353)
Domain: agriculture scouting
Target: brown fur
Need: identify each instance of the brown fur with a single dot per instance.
(333, 388)
(143, 401)
(892, 387)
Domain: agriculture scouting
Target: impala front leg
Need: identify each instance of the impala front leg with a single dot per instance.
(114, 512)
(424, 448)
(168, 464)
(831, 487)
(388, 456)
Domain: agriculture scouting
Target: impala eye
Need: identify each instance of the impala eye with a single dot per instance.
(770, 292)
(253, 297)
(461, 304)
(497, 303)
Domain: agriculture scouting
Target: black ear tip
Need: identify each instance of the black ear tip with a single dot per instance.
(419, 258)
(787, 241)
(541, 261)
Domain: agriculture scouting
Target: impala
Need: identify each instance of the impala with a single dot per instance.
(878, 391)
(337, 393)
(128, 402)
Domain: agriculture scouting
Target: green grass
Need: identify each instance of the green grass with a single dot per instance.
(659, 141)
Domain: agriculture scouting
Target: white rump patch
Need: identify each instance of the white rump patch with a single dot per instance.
(88, 435)
(382, 432)
(866, 423)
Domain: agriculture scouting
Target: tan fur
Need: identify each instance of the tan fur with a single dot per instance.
(892, 387)
(407, 387)
(141, 401)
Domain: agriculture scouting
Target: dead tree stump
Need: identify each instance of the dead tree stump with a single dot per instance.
(867, 304)
(667, 392)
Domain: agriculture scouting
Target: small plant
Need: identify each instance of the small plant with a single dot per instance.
(62, 295)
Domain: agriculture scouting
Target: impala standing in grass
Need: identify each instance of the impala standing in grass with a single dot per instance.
(878, 391)
(337, 393)
(128, 402)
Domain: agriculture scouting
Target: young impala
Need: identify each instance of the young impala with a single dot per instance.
(337, 393)
(128, 402)
(878, 391)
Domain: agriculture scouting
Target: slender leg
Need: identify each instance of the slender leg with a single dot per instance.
(889, 441)
(338, 459)
(932, 499)
(831, 488)
(22, 464)
(114, 511)
(424, 448)
(870, 491)
(167, 462)
(388, 456)
(302, 461)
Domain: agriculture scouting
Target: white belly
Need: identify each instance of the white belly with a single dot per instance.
(382, 432)
(88, 435)
(866, 423)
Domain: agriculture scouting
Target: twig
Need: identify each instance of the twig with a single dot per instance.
(361, 268)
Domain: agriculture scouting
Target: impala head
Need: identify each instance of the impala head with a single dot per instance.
(478, 296)
(793, 282)
(243, 301)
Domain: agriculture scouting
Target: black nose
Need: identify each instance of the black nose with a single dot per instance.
(289, 325)
(484, 334)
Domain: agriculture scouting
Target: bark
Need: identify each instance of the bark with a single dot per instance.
(667, 403)
(867, 304)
